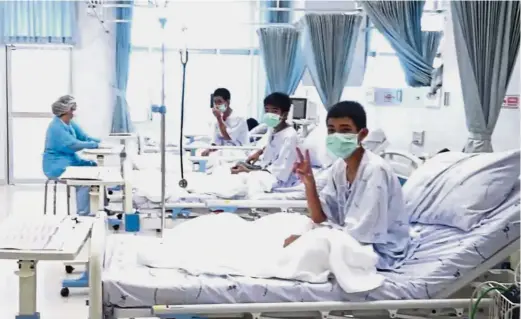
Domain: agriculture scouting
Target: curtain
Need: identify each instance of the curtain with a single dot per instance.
(121, 121)
(38, 22)
(400, 23)
(283, 60)
(278, 16)
(330, 41)
(430, 44)
(486, 34)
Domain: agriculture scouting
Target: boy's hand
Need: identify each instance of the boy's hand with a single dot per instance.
(216, 113)
(303, 168)
(290, 240)
(205, 153)
(239, 169)
(253, 158)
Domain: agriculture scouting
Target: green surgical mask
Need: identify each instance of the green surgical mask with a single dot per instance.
(222, 107)
(271, 119)
(342, 145)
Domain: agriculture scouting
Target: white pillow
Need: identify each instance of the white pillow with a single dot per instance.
(461, 189)
(315, 143)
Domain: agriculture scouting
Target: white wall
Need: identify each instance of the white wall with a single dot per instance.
(3, 120)
(93, 73)
(444, 127)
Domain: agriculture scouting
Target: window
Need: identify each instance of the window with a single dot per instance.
(204, 73)
(383, 66)
(209, 25)
(223, 44)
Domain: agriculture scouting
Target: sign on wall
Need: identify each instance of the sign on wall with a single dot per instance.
(384, 96)
(511, 102)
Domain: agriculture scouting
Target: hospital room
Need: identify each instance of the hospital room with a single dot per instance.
(197, 159)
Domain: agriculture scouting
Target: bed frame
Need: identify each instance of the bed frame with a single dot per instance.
(447, 300)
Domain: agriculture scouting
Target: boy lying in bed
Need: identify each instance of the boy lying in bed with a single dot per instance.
(362, 196)
(278, 156)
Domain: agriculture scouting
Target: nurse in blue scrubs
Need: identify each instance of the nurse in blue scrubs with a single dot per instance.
(64, 138)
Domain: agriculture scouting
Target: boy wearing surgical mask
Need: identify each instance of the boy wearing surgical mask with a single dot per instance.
(278, 156)
(229, 129)
(363, 196)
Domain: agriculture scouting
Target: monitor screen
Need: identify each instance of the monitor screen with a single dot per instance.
(299, 108)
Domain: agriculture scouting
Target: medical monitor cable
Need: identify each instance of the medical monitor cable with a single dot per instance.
(184, 60)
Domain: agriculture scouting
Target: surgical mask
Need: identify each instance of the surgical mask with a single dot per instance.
(342, 145)
(221, 107)
(271, 119)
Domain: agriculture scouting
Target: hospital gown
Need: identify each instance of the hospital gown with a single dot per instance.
(279, 156)
(62, 141)
(371, 209)
(236, 127)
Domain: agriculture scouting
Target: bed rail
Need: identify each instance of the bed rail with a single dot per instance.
(414, 160)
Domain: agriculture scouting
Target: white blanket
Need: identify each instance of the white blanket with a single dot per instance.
(225, 244)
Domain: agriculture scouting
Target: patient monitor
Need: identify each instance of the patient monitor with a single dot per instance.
(303, 113)
(303, 109)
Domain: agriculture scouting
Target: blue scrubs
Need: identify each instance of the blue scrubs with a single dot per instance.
(62, 141)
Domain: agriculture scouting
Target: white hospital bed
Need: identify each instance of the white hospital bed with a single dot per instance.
(403, 163)
(445, 262)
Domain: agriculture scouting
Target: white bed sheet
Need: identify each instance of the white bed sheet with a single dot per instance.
(147, 190)
(443, 255)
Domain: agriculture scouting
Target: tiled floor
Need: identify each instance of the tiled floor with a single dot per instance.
(28, 201)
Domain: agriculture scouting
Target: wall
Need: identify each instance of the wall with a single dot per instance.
(3, 120)
(93, 73)
(444, 127)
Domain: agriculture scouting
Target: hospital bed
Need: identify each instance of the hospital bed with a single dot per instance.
(433, 280)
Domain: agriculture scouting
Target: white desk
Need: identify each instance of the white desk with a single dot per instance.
(102, 177)
(28, 259)
(100, 153)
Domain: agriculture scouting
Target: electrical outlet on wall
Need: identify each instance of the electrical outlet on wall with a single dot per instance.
(418, 138)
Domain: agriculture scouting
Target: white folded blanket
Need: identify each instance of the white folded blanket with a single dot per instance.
(225, 244)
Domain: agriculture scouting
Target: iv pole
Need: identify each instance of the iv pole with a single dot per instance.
(162, 111)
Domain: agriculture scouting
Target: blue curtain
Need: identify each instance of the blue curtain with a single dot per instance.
(277, 16)
(330, 44)
(400, 23)
(121, 121)
(38, 22)
(487, 38)
(282, 56)
(430, 44)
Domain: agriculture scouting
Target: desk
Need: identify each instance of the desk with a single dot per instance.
(100, 153)
(28, 259)
(106, 177)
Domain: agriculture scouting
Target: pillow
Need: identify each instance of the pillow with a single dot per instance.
(315, 143)
(461, 189)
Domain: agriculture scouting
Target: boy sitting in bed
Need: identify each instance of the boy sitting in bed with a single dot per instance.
(280, 153)
(229, 129)
(362, 196)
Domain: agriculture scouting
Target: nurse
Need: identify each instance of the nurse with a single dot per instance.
(363, 196)
(63, 139)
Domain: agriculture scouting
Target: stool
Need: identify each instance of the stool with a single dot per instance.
(55, 188)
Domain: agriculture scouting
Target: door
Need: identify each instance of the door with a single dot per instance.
(36, 77)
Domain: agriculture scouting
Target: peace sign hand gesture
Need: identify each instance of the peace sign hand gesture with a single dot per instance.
(303, 168)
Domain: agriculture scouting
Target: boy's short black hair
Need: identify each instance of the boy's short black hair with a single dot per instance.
(278, 100)
(222, 92)
(351, 109)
